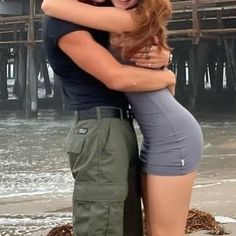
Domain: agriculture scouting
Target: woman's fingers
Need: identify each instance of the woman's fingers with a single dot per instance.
(156, 40)
(143, 61)
(141, 55)
(149, 65)
(146, 65)
(147, 50)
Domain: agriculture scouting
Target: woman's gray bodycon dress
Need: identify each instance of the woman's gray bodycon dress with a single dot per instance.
(172, 138)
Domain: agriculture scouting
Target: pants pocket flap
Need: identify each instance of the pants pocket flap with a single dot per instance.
(75, 143)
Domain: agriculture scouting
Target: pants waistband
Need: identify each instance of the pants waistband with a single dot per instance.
(104, 112)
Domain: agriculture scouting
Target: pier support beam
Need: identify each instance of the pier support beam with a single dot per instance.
(212, 69)
(21, 72)
(31, 104)
(45, 73)
(219, 70)
(230, 50)
(58, 97)
(3, 75)
(198, 56)
(181, 76)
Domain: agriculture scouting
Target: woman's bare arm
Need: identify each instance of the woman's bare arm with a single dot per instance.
(109, 19)
(97, 61)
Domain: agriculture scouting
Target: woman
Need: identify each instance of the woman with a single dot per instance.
(172, 143)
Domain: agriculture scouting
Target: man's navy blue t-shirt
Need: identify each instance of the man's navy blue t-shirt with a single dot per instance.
(80, 89)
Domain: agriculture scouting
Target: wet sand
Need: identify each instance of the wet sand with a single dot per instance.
(218, 200)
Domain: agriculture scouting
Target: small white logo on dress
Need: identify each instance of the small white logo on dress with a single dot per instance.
(182, 162)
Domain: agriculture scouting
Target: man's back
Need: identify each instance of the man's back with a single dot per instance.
(81, 90)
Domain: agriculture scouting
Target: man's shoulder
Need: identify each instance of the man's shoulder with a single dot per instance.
(57, 28)
(58, 22)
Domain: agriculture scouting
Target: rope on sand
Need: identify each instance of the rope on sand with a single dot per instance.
(196, 221)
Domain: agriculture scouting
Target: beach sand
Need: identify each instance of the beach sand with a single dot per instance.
(218, 200)
(36, 185)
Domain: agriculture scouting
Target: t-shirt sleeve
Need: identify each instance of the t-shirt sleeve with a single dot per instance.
(56, 28)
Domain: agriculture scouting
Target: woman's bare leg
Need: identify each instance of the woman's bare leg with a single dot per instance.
(167, 200)
(145, 203)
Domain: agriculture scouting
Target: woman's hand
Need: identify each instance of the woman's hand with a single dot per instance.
(153, 58)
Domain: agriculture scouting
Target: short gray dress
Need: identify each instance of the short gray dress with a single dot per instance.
(172, 138)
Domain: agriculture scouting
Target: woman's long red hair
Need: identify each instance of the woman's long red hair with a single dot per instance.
(152, 17)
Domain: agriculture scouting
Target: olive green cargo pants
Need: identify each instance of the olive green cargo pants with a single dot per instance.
(103, 158)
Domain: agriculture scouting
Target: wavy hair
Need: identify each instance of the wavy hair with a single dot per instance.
(152, 17)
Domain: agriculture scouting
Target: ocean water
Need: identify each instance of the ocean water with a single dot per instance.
(33, 164)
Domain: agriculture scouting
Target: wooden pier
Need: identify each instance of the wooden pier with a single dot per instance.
(202, 33)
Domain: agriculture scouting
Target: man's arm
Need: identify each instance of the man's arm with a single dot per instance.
(97, 61)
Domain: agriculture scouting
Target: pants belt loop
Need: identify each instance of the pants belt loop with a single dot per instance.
(121, 114)
(76, 117)
(98, 111)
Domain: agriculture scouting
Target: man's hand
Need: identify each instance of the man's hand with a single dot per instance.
(153, 58)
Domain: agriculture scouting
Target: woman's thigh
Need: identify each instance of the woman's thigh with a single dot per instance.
(167, 200)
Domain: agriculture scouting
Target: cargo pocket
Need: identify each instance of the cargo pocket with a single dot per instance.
(74, 149)
(75, 143)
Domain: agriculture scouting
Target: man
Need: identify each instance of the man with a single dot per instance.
(102, 145)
